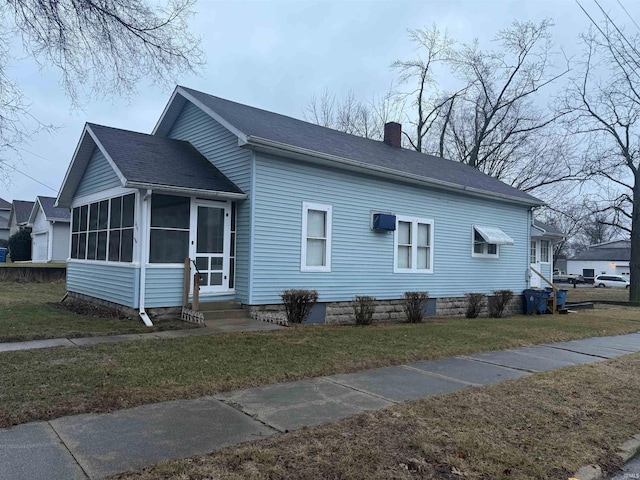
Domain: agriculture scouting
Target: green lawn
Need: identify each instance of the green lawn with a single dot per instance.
(43, 384)
(590, 293)
(31, 311)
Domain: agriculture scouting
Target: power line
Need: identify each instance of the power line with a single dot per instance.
(628, 15)
(30, 177)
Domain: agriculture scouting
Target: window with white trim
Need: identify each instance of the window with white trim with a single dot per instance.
(534, 251)
(169, 231)
(413, 240)
(316, 237)
(482, 248)
(103, 230)
(544, 251)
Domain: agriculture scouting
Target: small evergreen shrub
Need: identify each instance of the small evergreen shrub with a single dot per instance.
(499, 302)
(475, 303)
(20, 246)
(4, 243)
(414, 303)
(363, 308)
(298, 303)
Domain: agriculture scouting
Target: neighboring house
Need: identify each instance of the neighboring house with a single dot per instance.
(5, 210)
(543, 237)
(50, 231)
(609, 258)
(262, 202)
(19, 216)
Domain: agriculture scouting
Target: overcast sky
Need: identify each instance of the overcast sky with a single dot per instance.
(277, 56)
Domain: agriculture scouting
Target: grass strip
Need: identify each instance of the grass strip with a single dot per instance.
(543, 426)
(45, 384)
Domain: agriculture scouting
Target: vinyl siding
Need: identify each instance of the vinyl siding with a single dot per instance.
(362, 260)
(220, 147)
(40, 223)
(163, 287)
(60, 242)
(115, 283)
(97, 176)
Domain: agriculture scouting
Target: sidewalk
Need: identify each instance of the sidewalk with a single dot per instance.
(221, 326)
(93, 446)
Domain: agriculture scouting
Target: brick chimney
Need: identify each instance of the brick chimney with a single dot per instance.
(393, 134)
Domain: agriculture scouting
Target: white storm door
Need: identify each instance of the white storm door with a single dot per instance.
(210, 245)
(536, 281)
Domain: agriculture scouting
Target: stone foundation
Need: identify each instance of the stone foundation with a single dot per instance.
(155, 314)
(337, 313)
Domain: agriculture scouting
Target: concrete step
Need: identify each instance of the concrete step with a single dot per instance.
(226, 314)
(213, 306)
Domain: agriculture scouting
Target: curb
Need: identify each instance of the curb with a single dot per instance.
(626, 452)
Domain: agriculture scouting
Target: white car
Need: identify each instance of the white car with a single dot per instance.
(614, 281)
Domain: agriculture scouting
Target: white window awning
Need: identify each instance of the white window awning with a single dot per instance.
(494, 235)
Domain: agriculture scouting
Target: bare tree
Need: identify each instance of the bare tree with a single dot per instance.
(606, 114)
(429, 105)
(500, 125)
(353, 116)
(99, 47)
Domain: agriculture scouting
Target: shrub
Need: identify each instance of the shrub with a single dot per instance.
(475, 303)
(363, 308)
(4, 243)
(499, 302)
(298, 303)
(414, 303)
(20, 246)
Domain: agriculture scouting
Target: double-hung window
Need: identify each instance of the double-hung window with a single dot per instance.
(316, 238)
(413, 245)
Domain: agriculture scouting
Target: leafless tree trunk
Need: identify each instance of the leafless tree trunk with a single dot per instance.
(605, 112)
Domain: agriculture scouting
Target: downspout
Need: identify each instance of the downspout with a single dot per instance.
(144, 237)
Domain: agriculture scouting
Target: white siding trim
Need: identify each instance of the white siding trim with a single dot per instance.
(306, 206)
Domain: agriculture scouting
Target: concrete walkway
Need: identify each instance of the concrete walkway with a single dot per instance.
(219, 326)
(94, 446)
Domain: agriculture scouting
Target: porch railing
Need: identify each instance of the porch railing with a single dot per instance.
(191, 313)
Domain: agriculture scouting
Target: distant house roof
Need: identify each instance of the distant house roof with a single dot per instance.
(4, 205)
(268, 131)
(51, 213)
(147, 161)
(21, 210)
(605, 254)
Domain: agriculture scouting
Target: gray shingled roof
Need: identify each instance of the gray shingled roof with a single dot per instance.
(549, 229)
(4, 205)
(603, 253)
(161, 161)
(52, 213)
(297, 133)
(22, 210)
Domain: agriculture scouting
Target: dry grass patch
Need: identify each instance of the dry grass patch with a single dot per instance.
(32, 311)
(45, 384)
(544, 426)
(589, 293)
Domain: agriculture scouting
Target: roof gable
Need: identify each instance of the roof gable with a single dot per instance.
(51, 213)
(255, 128)
(4, 205)
(147, 161)
(20, 210)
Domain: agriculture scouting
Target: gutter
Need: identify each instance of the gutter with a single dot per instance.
(271, 146)
(143, 264)
(186, 191)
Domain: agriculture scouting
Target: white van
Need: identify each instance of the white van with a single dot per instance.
(614, 281)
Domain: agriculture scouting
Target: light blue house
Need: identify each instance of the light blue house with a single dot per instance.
(262, 202)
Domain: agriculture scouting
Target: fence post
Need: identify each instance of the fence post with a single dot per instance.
(186, 282)
(196, 292)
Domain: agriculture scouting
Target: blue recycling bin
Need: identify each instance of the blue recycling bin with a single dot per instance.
(536, 301)
(3, 255)
(561, 298)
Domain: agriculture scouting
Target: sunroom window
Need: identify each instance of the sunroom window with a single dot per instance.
(104, 230)
(169, 235)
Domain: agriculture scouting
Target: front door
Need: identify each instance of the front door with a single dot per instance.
(210, 244)
(535, 281)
